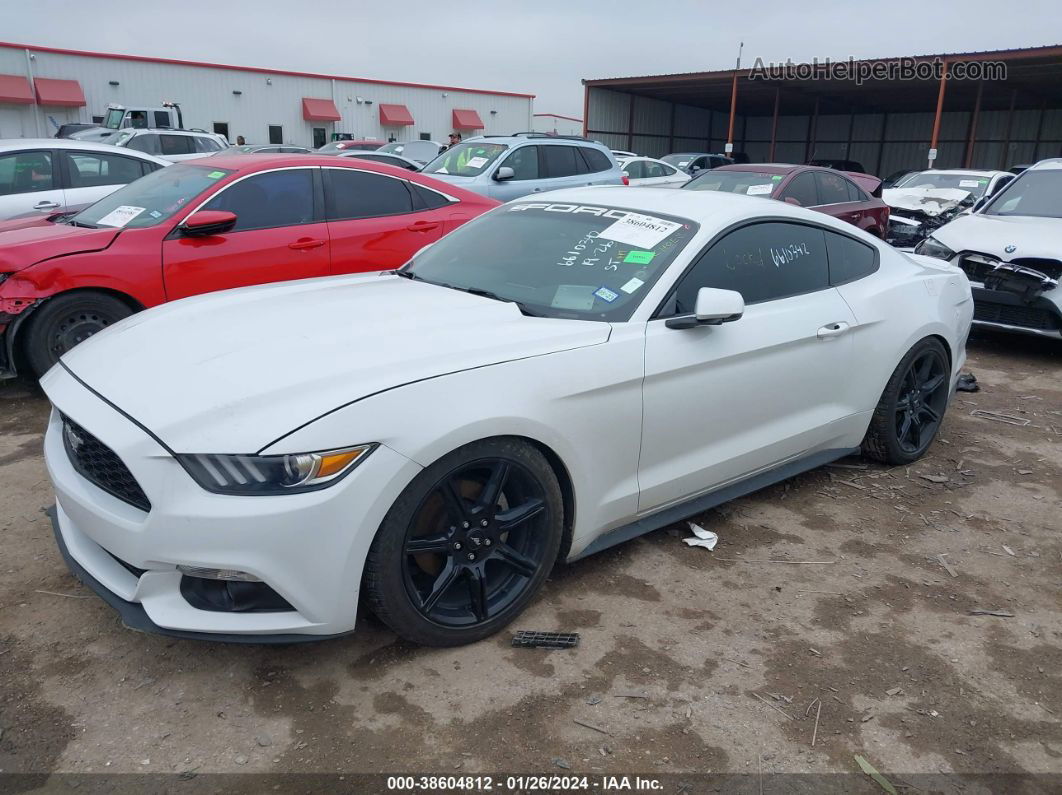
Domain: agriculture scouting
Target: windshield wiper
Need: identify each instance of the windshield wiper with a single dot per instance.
(82, 224)
(407, 275)
(495, 297)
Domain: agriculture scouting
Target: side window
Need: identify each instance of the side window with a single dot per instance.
(146, 167)
(596, 160)
(138, 119)
(849, 259)
(635, 169)
(802, 189)
(832, 188)
(89, 169)
(654, 170)
(264, 201)
(359, 194)
(560, 161)
(176, 144)
(162, 118)
(666, 170)
(204, 144)
(25, 172)
(763, 262)
(855, 193)
(425, 198)
(1001, 184)
(145, 143)
(699, 162)
(523, 162)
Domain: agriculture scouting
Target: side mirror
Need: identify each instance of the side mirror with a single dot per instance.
(713, 308)
(504, 173)
(794, 202)
(208, 222)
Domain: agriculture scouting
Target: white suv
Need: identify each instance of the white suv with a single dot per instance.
(174, 145)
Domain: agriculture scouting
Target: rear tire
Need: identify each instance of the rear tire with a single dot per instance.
(467, 544)
(912, 406)
(65, 321)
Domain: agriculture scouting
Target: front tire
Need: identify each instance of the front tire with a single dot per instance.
(912, 406)
(65, 321)
(467, 545)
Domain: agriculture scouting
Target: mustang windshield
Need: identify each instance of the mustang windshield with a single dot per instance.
(971, 183)
(589, 262)
(152, 199)
(751, 183)
(1033, 193)
(465, 160)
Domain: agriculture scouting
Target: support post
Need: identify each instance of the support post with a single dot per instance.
(729, 149)
(774, 125)
(936, 118)
(813, 123)
(971, 133)
(1003, 153)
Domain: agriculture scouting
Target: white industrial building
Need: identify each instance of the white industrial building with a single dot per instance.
(555, 124)
(43, 87)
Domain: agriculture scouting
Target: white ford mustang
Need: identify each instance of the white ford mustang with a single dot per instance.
(555, 377)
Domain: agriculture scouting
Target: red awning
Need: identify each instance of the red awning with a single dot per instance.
(16, 89)
(395, 116)
(319, 110)
(467, 120)
(66, 93)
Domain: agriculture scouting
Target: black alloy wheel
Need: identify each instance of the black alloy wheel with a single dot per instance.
(911, 409)
(923, 399)
(468, 543)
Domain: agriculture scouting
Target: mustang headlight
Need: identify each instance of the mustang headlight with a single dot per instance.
(272, 474)
(932, 247)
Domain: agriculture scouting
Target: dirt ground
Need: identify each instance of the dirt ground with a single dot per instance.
(825, 613)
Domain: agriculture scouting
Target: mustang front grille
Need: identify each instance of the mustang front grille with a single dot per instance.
(99, 464)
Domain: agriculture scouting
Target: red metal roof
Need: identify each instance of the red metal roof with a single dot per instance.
(257, 69)
(395, 115)
(65, 93)
(466, 119)
(15, 89)
(319, 110)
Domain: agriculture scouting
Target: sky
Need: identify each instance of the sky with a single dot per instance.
(542, 47)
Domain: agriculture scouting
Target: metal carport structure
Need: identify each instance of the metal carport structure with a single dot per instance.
(887, 123)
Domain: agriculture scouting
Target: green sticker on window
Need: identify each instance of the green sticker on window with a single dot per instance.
(982, 182)
(216, 174)
(639, 257)
(776, 178)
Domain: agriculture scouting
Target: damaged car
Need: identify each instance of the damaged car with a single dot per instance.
(1011, 250)
(926, 200)
(191, 228)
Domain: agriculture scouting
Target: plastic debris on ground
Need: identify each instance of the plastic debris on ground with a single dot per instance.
(701, 537)
(967, 383)
(529, 639)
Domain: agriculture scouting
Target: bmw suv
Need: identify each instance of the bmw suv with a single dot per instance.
(508, 167)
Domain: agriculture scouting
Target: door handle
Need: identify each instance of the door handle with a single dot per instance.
(306, 243)
(423, 226)
(832, 330)
(45, 205)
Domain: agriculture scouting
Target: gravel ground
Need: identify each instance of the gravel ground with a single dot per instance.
(743, 655)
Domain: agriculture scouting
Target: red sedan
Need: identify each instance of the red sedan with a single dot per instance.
(845, 195)
(220, 222)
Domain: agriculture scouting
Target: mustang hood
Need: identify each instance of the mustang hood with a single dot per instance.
(1031, 237)
(20, 248)
(230, 372)
(931, 201)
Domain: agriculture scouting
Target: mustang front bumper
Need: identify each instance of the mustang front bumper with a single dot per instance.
(308, 549)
